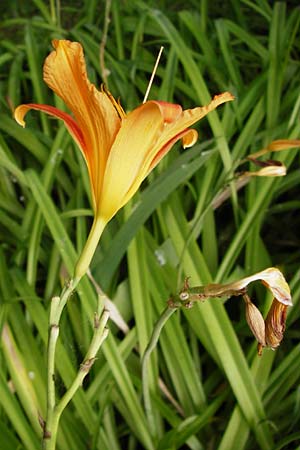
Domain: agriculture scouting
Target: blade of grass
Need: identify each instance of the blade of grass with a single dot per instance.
(15, 414)
(228, 55)
(275, 65)
(190, 426)
(139, 287)
(35, 63)
(124, 383)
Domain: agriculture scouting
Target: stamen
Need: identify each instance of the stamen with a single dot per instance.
(153, 74)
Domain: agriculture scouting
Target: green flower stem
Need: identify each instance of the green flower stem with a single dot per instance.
(166, 314)
(52, 339)
(57, 306)
(56, 309)
(100, 334)
(87, 254)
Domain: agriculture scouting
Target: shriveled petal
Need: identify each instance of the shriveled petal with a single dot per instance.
(275, 323)
(126, 166)
(96, 114)
(269, 171)
(272, 278)
(275, 281)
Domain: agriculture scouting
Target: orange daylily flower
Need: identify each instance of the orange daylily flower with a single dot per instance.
(119, 149)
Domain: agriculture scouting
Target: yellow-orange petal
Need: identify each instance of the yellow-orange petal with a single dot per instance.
(149, 165)
(125, 169)
(191, 116)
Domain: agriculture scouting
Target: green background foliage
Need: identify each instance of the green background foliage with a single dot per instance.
(209, 389)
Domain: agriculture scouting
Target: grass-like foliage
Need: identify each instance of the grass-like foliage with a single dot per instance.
(193, 217)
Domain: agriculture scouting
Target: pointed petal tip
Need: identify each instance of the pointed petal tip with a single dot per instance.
(57, 42)
(224, 97)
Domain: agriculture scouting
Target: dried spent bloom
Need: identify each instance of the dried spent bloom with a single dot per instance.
(269, 332)
(119, 149)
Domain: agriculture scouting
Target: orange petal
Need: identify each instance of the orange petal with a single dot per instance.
(69, 122)
(71, 126)
(188, 138)
(95, 112)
